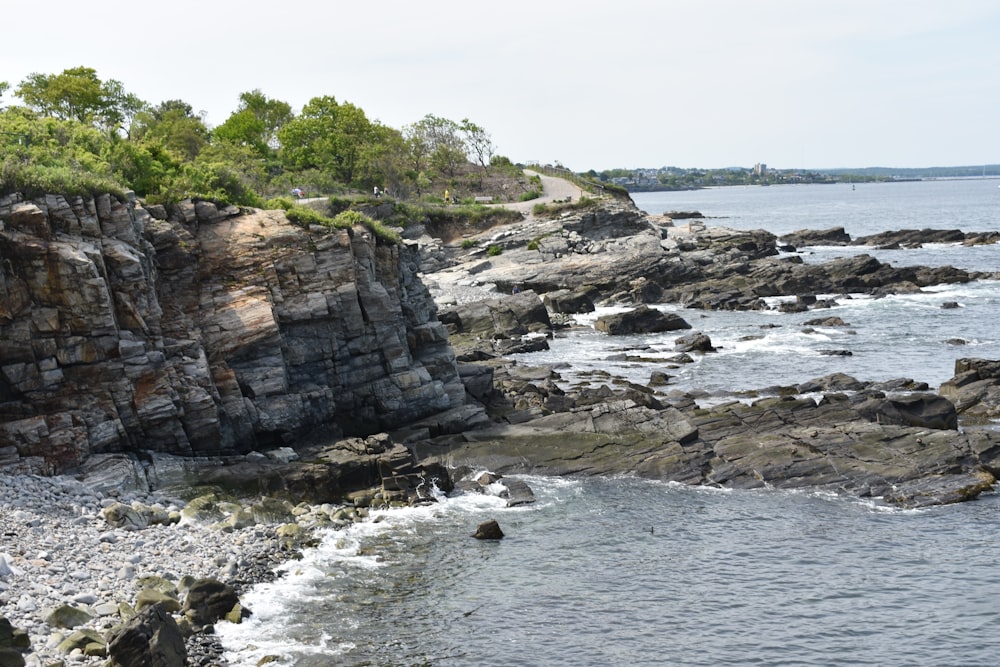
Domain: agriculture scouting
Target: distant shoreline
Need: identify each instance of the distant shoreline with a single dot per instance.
(828, 182)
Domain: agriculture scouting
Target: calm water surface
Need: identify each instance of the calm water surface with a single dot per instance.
(629, 572)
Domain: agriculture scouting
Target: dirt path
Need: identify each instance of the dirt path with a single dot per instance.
(553, 188)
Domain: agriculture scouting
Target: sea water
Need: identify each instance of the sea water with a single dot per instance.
(621, 571)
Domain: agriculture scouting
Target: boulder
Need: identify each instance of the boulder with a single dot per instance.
(920, 410)
(512, 315)
(640, 320)
(150, 639)
(488, 530)
(14, 643)
(517, 492)
(209, 600)
(66, 616)
(694, 342)
(832, 321)
(570, 302)
(122, 516)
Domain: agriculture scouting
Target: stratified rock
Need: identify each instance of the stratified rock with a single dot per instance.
(921, 410)
(150, 639)
(217, 332)
(911, 238)
(488, 530)
(814, 237)
(975, 390)
(640, 320)
(514, 315)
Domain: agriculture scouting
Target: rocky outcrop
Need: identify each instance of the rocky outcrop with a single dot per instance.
(905, 449)
(975, 390)
(916, 238)
(619, 256)
(214, 331)
(900, 238)
(642, 319)
(502, 325)
(813, 237)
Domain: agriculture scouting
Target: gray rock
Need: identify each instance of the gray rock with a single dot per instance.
(122, 516)
(642, 319)
(150, 639)
(488, 530)
(209, 600)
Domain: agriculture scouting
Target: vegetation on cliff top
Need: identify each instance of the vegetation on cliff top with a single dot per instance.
(74, 133)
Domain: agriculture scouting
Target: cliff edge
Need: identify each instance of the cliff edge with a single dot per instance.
(204, 331)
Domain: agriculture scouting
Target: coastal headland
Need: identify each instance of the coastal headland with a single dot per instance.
(188, 393)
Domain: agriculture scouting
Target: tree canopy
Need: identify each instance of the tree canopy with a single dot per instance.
(89, 133)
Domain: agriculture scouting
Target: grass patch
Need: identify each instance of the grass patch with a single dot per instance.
(494, 250)
(306, 217)
(554, 209)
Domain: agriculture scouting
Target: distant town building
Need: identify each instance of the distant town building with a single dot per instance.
(760, 169)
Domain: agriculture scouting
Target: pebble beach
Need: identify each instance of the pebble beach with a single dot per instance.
(58, 550)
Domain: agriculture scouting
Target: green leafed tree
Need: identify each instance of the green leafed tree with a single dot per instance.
(255, 122)
(79, 94)
(438, 142)
(328, 136)
(173, 125)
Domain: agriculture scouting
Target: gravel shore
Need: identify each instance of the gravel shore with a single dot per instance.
(57, 549)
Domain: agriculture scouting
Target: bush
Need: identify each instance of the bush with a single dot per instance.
(279, 203)
(554, 209)
(469, 243)
(529, 195)
(494, 250)
(37, 180)
(306, 217)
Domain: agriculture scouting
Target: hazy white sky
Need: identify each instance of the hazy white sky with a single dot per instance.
(588, 83)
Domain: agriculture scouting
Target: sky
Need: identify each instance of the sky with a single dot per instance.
(583, 83)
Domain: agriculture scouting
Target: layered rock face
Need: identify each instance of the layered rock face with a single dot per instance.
(211, 332)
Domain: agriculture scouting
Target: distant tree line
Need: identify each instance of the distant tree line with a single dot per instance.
(675, 178)
(73, 132)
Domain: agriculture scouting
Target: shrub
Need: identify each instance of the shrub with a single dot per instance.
(282, 203)
(551, 210)
(494, 250)
(469, 243)
(529, 195)
(36, 180)
(305, 216)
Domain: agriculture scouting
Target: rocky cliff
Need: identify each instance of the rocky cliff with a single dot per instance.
(203, 331)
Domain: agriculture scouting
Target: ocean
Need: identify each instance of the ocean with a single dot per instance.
(622, 571)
